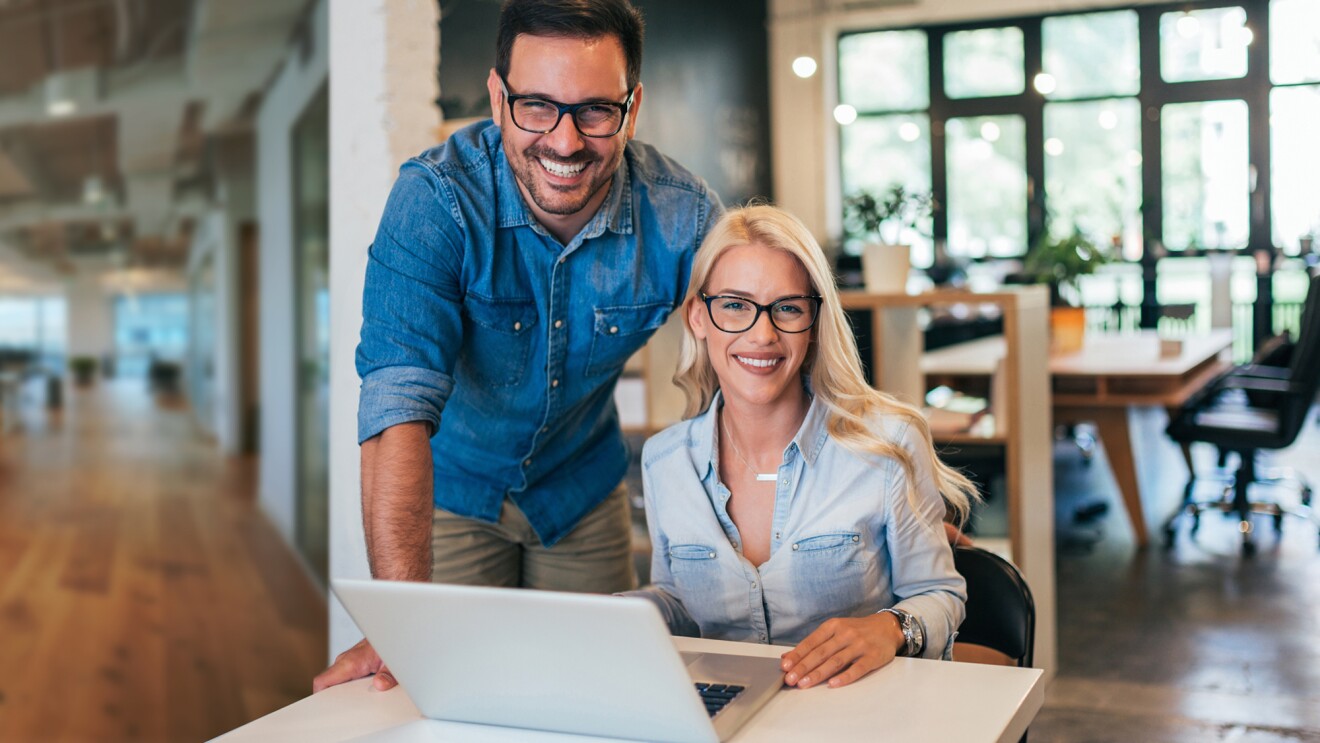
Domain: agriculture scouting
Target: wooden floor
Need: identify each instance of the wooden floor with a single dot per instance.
(143, 595)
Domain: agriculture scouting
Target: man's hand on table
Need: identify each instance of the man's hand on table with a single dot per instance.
(356, 662)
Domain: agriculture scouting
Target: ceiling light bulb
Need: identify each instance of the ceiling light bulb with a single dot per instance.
(1044, 83)
(909, 132)
(845, 114)
(990, 131)
(1054, 146)
(804, 67)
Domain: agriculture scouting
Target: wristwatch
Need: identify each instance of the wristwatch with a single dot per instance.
(914, 638)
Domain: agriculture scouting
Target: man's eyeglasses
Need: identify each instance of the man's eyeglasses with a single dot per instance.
(542, 115)
(734, 314)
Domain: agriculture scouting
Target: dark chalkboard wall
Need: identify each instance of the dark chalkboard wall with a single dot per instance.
(703, 69)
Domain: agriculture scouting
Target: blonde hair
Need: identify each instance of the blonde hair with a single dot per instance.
(833, 364)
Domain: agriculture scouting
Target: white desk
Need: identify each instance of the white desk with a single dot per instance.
(908, 700)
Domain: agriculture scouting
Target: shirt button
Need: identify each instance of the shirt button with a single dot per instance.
(776, 535)
(856, 538)
(528, 463)
(753, 584)
(561, 261)
(785, 481)
(795, 548)
(554, 383)
(559, 323)
(517, 326)
(712, 554)
(614, 329)
(762, 638)
(545, 429)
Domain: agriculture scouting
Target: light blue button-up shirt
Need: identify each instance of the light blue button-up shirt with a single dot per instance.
(472, 309)
(845, 542)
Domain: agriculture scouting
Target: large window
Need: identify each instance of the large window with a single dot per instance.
(1181, 127)
(884, 78)
(32, 328)
(149, 327)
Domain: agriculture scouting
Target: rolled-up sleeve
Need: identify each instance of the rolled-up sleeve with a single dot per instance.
(412, 327)
(925, 580)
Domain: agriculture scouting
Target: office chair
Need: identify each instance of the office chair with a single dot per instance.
(1001, 614)
(1253, 407)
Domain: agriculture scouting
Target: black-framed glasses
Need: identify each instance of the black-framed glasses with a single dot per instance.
(734, 314)
(541, 115)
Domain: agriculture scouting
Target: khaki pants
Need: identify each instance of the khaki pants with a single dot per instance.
(596, 557)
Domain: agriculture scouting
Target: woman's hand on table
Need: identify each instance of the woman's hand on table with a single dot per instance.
(842, 650)
(354, 663)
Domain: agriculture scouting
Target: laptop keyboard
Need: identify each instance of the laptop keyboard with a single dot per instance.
(716, 696)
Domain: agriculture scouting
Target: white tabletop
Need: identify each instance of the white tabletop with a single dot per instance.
(909, 700)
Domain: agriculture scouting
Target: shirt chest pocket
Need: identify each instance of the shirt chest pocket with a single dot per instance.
(832, 570)
(696, 573)
(497, 339)
(619, 331)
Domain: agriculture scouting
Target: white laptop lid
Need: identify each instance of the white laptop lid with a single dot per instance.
(598, 665)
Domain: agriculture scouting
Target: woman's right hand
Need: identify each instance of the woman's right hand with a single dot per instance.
(354, 663)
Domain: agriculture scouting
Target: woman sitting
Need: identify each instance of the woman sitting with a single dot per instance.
(796, 504)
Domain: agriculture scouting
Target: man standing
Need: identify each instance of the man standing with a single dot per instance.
(515, 270)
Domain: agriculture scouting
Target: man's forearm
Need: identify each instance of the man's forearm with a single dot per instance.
(397, 502)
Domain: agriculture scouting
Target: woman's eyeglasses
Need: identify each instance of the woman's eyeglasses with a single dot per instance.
(734, 314)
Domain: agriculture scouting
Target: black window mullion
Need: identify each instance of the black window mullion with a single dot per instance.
(939, 115)
(1034, 112)
(1152, 181)
(1260, 236)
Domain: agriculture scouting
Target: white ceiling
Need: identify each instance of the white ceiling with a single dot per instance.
(153, 83)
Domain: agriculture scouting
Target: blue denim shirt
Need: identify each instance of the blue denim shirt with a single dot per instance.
(845, 542)
(478, 321)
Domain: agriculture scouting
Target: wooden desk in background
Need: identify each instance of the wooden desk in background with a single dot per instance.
(1098, 384)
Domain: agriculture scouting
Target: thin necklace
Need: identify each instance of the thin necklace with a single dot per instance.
(760, 476)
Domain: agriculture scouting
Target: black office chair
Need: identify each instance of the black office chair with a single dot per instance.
(1253, 407)
(1001, 614)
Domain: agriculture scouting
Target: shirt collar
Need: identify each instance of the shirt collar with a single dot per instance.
(809, 440)
(615, 212)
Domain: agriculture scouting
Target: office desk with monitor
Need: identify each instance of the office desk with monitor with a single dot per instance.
(1112, 372)
(911, 700)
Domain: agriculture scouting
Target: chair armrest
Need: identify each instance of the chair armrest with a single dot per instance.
(1257, 384)
(1260, 370)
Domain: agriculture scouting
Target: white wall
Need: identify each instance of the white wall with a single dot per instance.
(381, 113)
(296, 82)
(804, 144)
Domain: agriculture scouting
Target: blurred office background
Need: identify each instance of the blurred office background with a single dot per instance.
(178, 393)
(163, 364)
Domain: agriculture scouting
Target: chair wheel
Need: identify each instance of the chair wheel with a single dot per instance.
(1248, 548)
(1170, 534)
(1196, 522)
(1278, 523)
(1306, 496)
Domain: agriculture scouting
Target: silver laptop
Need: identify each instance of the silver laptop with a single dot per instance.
(564, 662)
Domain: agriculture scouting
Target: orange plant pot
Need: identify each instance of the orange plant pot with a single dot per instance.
(1067, 329)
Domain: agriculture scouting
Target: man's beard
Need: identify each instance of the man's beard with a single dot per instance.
(547, 197)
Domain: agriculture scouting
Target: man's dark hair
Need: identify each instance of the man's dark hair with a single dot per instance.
(575, 19)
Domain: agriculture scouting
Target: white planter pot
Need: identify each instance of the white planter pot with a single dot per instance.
(885, 268)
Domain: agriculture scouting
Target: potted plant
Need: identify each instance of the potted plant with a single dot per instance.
(1060, 262)
(83, 368)
(880, 219)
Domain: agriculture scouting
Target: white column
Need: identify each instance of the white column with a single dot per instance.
(382, 112)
